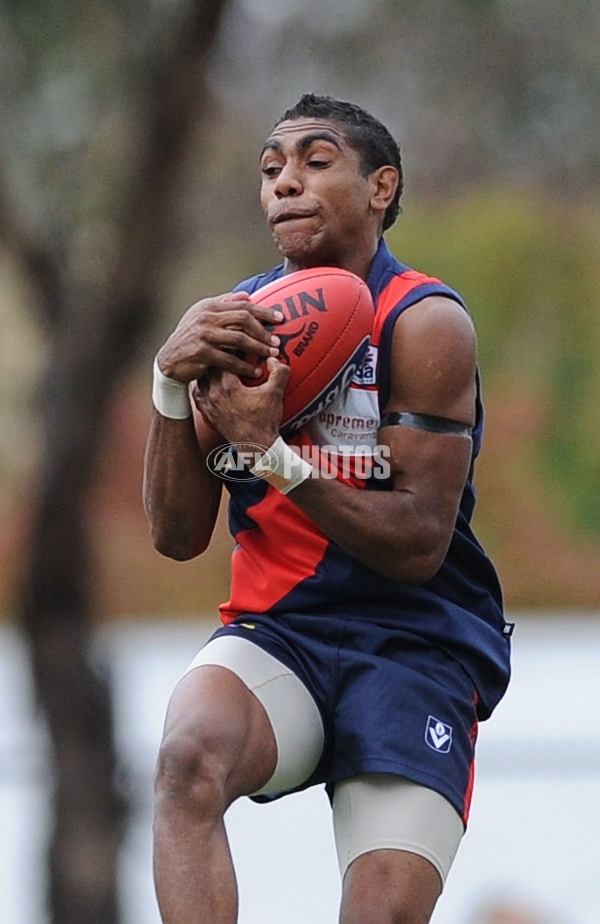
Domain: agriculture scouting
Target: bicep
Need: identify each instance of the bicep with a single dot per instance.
(433, 361)
(433, 380)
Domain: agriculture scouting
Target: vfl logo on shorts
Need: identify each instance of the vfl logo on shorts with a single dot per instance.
(438, 735)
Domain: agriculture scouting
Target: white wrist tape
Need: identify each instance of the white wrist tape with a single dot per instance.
(282, 467)
(170, 397)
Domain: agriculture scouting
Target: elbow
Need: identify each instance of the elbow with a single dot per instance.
(428, 551)
(421, 564)
(177, 544)
(417, 569)
(422, 568)
(178, 549)
(177, 535)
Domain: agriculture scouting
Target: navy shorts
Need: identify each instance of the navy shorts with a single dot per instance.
(389, 702)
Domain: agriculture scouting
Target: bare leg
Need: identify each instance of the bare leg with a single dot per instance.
(217, 745)
(389, 887)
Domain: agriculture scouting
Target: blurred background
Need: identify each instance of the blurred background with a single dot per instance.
(129, 139)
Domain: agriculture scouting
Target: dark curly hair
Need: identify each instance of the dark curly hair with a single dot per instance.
(367, 135)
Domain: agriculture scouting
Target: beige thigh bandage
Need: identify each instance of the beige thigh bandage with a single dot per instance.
(380, 811)
(292, 712)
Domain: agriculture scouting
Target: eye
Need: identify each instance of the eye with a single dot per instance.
(318, 163)
(270, 170)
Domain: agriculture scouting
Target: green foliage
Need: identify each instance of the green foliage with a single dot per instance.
(529, 271)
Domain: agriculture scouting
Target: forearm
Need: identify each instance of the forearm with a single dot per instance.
(403, 533)
(181, 496)
(384, 530)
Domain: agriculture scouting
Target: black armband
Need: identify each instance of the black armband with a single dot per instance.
(428, 422)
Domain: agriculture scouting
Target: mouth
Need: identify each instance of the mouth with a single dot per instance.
(291, 215)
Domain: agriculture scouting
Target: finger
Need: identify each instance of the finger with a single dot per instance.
(267, 315)
(197, 368)
(241, 341)
(278, 375)
(207, 389)
(280, 372)
(240, 332)
(247, 310)
(244, 367)
(200, 388)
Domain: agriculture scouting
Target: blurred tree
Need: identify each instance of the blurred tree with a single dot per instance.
(95, 131)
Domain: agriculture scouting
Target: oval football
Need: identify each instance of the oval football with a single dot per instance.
(328, 319)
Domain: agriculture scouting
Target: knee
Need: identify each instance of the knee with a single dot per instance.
(191, 773)
(389, 887)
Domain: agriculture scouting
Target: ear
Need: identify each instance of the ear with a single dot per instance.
(384, 183)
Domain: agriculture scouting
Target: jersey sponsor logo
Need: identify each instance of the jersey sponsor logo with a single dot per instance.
(438, 735)
(365, 374)
(348, 422)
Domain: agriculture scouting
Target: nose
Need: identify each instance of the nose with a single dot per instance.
(288, 182)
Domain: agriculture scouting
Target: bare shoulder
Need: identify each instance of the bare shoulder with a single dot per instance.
(438, 318)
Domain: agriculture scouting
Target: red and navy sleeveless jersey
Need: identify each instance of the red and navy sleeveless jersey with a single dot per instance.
(283, 563)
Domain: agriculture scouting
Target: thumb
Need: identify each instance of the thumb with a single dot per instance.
(278, 372)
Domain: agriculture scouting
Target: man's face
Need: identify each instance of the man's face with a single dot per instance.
(315, 198)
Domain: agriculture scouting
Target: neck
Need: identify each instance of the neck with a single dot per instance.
(359, 264)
